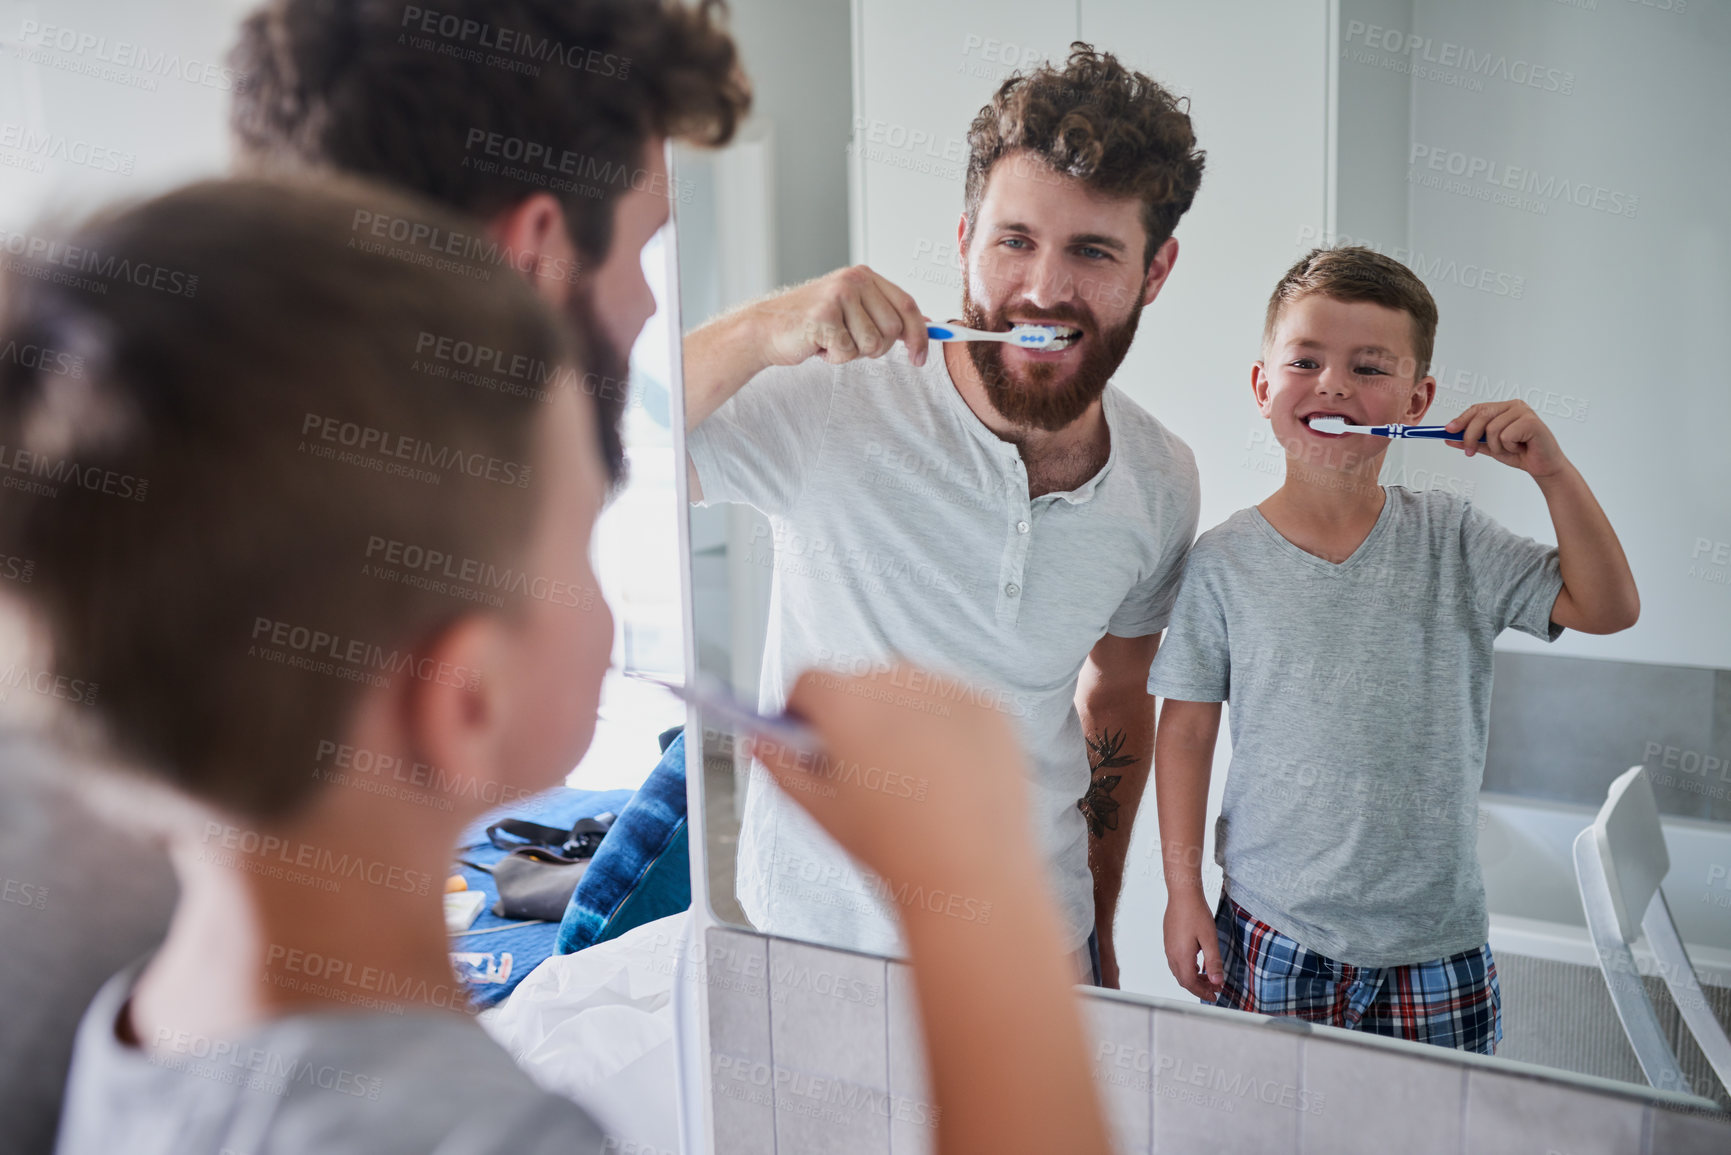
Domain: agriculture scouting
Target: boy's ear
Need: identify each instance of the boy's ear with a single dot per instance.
(457, 708)
(1259, 385)
(1423, 393)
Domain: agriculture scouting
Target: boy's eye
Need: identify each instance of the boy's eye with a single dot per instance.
(1370, 369)
(1302, 363)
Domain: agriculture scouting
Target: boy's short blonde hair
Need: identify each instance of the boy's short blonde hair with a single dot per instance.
(1355, 273)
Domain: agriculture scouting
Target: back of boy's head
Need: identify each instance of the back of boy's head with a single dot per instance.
(238, 407)
(1356, 273)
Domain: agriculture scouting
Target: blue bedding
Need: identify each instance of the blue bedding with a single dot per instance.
(527, 945)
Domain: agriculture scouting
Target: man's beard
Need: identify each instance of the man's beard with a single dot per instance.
(1032, 396)
(606, 378)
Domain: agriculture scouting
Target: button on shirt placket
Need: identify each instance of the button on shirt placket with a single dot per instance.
(1019, 521)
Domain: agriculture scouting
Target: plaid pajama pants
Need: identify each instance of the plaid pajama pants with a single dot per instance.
(1452, 1002)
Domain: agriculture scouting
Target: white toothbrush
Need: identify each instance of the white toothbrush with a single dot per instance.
(1027, 336)
(1339, 425)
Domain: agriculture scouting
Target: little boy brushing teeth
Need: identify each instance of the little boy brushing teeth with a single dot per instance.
(1350, 625)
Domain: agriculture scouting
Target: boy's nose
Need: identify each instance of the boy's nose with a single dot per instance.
(1334, 382)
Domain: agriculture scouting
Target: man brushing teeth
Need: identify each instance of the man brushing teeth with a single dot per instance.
(997, 512)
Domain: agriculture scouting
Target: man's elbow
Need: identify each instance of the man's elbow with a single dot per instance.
(1120, 700)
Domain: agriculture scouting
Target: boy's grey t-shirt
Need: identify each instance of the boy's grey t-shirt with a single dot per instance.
(1360, 704)
(326, 1083)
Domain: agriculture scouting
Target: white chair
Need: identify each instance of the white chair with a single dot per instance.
(1620, 860)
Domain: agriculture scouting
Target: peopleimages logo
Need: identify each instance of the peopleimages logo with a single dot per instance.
(354, 652)
(125, 54)
(45, 252)
(59, 147)
(459, 32)
(406, 559)
(410, 450)
(255, 1068)
(1543, 188)
(42, 476)
(42, 359)
(261, 848)
(1447, 54)
(1431, 268)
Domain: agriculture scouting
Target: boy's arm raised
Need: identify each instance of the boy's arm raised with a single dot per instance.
(1183, 763)
(1598, 595)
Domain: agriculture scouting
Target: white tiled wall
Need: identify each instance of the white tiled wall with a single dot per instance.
(817, 1051)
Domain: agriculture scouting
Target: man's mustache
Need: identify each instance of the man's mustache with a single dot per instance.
(1056, 315)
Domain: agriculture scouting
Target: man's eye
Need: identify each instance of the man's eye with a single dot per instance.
(1014, 241)
(1092, 253)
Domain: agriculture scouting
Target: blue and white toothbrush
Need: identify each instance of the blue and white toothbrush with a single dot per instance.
(1027, 336)
(1339, 425)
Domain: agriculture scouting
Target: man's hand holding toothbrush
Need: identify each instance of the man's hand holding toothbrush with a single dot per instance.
(1599, 595)
(840, 317)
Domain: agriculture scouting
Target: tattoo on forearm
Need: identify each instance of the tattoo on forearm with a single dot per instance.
(1105, 752)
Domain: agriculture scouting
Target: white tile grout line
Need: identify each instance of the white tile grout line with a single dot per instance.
(889, 1096)
(1466, 1099)
(1153, 1064)
(769, 1017)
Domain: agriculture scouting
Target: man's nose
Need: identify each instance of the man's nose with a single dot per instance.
(1048, 285)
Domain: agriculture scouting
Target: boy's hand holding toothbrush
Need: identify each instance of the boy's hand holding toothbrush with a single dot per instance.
(1598, 594)
(1511, 433)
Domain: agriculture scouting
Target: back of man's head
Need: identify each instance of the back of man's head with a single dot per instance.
(479, 103)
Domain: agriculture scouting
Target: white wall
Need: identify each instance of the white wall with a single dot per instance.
(80, 128)
(796, 53)
(1618, 334)
(118, 100)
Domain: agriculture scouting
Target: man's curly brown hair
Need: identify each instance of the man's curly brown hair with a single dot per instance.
(396, 92)
(402, 93)
(1118, 131)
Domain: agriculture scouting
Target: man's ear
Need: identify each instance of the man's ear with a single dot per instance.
(962, 242)
(1159, 269)
(534, 235)
(457, 708)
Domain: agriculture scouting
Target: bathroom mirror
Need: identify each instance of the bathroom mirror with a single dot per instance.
(1554, 170)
